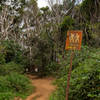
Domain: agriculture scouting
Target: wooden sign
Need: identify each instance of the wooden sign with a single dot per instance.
(73, 41)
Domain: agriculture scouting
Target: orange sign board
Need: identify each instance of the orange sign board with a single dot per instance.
(74, 40)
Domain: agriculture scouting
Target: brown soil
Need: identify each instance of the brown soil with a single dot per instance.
(44, 88)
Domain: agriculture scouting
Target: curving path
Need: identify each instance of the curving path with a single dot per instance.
(44, 88)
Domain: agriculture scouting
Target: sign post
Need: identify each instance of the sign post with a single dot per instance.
(73, 42)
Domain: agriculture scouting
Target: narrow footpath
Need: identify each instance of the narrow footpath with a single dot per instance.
(44, 88)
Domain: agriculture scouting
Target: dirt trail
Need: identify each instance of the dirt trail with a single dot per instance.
(44, 88)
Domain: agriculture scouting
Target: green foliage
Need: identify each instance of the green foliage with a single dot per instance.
(12, 64)
(87, 9)
(52, 68)
(2, 55)
(11, 67)
(41, 55)
(18, 83)
(44, 9)
(85, 79)
(12, 52)
(45, 49)
(66, 25)
(13, 85)
(6, 96)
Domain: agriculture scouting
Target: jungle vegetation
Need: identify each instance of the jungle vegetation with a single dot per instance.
(33, 37)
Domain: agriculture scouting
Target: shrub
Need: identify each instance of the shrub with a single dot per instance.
(2, 55)
(85, 79)
(13, 52)
(11, 67)
(18, 83)
(6, 96)
(14, 84)
(52, 68)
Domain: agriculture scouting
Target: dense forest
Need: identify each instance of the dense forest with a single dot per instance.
(32, 41)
